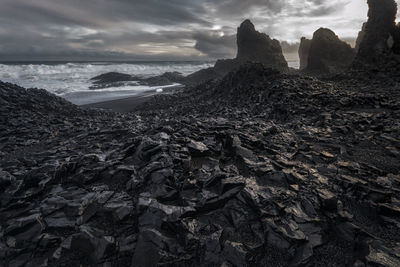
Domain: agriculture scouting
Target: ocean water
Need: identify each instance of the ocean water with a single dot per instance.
(71, 80)
(295, 64)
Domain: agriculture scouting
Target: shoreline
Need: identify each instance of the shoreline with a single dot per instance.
(130, 103)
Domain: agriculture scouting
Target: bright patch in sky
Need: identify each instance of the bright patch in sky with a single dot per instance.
(163, 30)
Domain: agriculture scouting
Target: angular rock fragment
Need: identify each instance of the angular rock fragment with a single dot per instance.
(24, 231)
(328, 199)
(234, 253)
(197, 148)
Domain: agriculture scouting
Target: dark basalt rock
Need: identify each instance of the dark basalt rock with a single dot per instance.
(112, 77)
(115, 79)
(304, 50)
(360, 36)
(201, 76)
(257, 168)
(380, 35)
(254, 46)
(328, 54)
(164, 79)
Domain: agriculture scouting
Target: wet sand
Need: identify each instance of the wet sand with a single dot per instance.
(131, 103)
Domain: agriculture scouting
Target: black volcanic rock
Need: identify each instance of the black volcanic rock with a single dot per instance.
(13, 97)
(304, 50)
(116, 79)
(201, 76)
(360, 37)
(112, 77)
(258, 168)
(396, 40)
(254, 46)
(381, 36)
(165, 79)
(328, 54)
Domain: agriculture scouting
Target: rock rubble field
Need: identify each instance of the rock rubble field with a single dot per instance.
(245, 166)
(256, 169)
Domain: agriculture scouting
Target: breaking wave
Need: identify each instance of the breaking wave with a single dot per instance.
(72, 80)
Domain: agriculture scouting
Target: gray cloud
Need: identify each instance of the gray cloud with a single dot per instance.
(214, 45)
(103, 13)
(137, 29)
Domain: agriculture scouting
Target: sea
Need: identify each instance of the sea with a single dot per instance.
(71, 80)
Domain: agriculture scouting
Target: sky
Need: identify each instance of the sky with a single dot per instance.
(162, 29)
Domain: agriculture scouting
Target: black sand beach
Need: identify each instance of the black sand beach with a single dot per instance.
(130, 104)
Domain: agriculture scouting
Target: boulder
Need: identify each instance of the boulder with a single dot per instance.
(304, 50)
(328, 54)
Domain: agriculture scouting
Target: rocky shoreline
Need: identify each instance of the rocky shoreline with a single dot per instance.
(248, 165)
(256, 169)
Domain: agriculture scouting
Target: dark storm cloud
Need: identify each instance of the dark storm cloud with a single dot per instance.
(103, 12)
(191, 29)
(215, 45)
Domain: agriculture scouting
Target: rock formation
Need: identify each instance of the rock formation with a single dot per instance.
(304, 49)
(396, 39)
(360, 36)
(328, 54)
(254, 46)
(381, 36)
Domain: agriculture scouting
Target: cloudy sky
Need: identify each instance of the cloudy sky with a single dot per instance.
(161, 29)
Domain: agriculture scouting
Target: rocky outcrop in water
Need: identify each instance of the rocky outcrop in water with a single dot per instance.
(304, 50)
(115, 79)
(328, 54)
(381, 35)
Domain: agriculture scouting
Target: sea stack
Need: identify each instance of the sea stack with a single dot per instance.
(328, 54)
(254, 46)
(360, 36)
(304, 50)
(381, 35)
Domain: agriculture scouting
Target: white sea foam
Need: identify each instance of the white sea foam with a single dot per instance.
(72, 80)
(294, 64)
